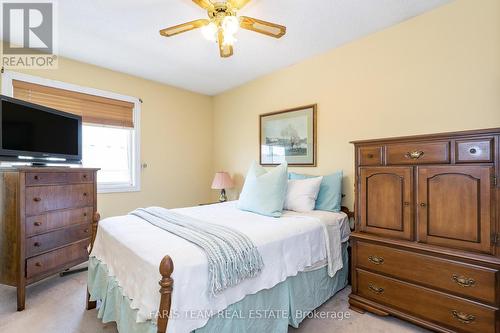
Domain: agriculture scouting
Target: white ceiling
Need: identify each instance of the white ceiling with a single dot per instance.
(123, 35)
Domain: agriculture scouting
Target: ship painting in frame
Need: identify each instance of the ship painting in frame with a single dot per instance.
(289, 135)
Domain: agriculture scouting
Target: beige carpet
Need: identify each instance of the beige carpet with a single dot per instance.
(57, 305)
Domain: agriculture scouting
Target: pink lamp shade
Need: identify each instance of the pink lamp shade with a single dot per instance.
(222, 180)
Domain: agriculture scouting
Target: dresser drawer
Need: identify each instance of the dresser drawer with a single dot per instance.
(458, 278)
(48, 262)
(55, 178)
(41, 199)
(469, 151)
(418, 153)
(453, 312)
(370, 155)
(42, 243)
(40, 224)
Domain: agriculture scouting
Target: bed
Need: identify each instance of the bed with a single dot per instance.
(305, 263)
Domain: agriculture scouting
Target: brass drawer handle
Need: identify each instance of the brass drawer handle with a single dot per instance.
(376, 260)
(463, 317)
(414, 155)
(38, 264)
(37, 224)
(423, 204)
(37, 199)
(375, 289)
(37, 244)
(464, 281)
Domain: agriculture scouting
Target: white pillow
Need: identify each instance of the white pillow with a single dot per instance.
(301, 194)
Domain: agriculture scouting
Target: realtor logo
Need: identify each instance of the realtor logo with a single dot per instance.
(28, 35)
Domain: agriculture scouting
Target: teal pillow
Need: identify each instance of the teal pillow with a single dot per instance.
(264, 191)
(330, 191)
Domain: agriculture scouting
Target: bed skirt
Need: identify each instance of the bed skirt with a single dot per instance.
(269, 310)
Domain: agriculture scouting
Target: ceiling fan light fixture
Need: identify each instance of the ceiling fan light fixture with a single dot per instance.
(223, 24)
(229, 39)
(230, 25)
(209, 31)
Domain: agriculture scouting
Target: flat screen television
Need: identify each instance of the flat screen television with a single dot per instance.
(37, 134)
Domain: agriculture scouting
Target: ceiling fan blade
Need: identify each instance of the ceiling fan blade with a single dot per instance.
(177, 29)
(263, 27)
(205, 4)
(225, 50)
(238, 4)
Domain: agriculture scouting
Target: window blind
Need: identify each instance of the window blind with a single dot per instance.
(93, 109)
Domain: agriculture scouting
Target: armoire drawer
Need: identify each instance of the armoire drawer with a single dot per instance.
(450, 311)
(418, 153)
(51, 240)
(41, 199)
(370, 155)
(477, 150)
(56, 178)
(40, 224)
(458, 278)
(54, 260)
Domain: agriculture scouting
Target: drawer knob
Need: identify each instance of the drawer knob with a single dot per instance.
(38, 264)
(473, 150)
(84, 214)
(37, 244)
(463, 281)
(414, 155)
(406, 203)
(375, 289)
(463, 317)
(36, 177)
(370, 155)
(86, 230)
(423, 204)
(37, 224)
(37, 199)
(84, 194)
(376, 260)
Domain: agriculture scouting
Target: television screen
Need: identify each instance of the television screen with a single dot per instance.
(39, 132)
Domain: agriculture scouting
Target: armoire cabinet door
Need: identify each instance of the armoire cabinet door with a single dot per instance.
(454, 206)
(386, 201)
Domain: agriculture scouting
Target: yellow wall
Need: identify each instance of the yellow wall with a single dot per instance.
(176, 140)
(437, 72)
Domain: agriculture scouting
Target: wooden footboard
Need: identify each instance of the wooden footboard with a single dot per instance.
(95, 222)
(166, 286)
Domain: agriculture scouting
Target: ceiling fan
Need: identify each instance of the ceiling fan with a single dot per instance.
(223, 23)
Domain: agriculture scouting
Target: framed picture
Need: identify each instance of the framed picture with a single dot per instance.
(289, 135)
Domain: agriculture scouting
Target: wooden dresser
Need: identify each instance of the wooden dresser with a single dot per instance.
(48, 216)
(426, 247)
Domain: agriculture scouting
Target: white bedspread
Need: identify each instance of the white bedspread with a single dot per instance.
(133, 248)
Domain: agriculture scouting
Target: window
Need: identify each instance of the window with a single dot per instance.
(110, 136)
(110, 149)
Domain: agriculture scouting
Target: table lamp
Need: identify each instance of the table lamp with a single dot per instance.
(221, 182)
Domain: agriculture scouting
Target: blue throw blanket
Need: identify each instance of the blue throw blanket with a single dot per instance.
(232, 257)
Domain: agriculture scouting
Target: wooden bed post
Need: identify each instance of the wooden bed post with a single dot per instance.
(95, 221)
(166, 286)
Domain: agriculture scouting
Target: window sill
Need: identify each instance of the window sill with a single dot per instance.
(101, 189)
